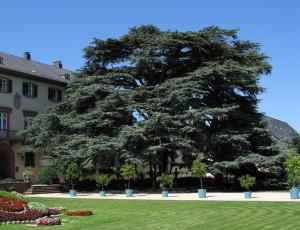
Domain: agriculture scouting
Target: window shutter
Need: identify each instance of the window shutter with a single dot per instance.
(59, 96)
(9, 86)
(35, 90)
(24, 88)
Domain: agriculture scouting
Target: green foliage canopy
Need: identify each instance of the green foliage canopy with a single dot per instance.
(296, 142)
(165, 181)
(128, 172)
(199, 169)
(151, 95)
(247, 181)
(102, 181)
(73, 174)
(292, 167)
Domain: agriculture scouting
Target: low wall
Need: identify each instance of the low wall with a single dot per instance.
(20, 187)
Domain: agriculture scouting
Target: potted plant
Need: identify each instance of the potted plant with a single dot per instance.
(199, 169)
(128, 173)
(292, 167)
(247, 182)
(165, 181)
(28, 174)
(73, 174)
(101, 182)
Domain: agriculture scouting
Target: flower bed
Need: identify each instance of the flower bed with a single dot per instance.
(48, 221)
(53, 211)
(12, 205)
(15, 209)
(38, 207)
(80, 213)
(21, 216)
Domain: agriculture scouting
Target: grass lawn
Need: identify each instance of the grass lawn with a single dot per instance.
(134, 214)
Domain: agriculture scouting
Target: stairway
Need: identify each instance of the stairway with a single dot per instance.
(42, 189)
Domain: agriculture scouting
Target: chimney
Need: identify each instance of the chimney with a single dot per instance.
(57, 64)
(27, 56)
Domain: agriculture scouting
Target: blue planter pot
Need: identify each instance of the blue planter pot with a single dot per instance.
(202, 193)
(294, 193)
(165, 193)
(247, 195)
(102, 193)
(129, 192)
(72, 192)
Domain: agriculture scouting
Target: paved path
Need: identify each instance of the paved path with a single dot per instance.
(213, 196)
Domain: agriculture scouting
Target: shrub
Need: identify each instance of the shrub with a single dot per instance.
(18, 196)
(80, 213)
(102, 181)
(247, 181)
(292, 167)
(13, 195)
(73, 174)
(47, 175)
(165, 181)
(8, 180)
(38, 207)
(199, 169)
(128, 172)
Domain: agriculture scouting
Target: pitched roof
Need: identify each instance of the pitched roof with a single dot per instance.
(280, 129)
(34, 68)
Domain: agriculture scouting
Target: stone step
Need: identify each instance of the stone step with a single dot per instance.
(42, 189)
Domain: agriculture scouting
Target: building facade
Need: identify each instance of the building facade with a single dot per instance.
(27, 88)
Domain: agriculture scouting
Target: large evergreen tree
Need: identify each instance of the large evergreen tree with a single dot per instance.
(152, 95)
(83, 128)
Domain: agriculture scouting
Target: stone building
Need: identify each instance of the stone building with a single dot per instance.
(27, 88)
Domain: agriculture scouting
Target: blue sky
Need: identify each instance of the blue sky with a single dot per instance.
(60, 29)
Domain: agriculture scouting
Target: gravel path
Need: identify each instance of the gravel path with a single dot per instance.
(213, 196)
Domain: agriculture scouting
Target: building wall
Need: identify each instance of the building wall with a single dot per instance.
(38, 104)
(16, 116)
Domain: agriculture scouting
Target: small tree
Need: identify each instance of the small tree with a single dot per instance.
(292, 167)
(128, 172)
(247, 181)
(102, 181)
(73, 173)
(165, 181)
(199, 169)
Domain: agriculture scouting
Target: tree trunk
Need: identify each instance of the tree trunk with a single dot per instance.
(154, 176)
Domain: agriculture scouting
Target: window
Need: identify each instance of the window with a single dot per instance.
(3, 125)
(54, 95)
(28, 118)
(3, 121)
(5, 85)
(29, 159)
(66, 76)
(28, 122)
(1, 60)
(29, 90)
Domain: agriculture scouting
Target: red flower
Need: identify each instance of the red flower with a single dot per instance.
(28, 214)
(80, 213)
(12, 205)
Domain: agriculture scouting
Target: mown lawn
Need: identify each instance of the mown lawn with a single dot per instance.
(143, 215)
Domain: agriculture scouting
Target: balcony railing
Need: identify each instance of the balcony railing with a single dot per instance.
(10, 134)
